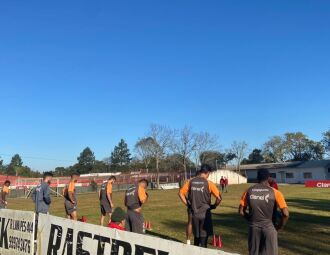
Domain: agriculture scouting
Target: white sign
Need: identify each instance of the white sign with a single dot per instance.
(174, 185)
(16, 232)
(62, 236)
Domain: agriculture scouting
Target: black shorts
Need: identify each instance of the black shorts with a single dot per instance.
(134, 222)
(202, 224)
(105, 208)
(69, 207)
(189, 211)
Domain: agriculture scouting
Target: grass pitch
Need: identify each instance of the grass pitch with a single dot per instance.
(307, 232)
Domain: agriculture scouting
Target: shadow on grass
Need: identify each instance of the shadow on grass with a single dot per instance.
(149, 232)
(304, 234)
(310, 204)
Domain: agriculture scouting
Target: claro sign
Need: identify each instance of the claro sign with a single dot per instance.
(318, 184)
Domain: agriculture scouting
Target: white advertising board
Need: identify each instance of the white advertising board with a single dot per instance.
(62, 236)
(16, 232)
(174, 185)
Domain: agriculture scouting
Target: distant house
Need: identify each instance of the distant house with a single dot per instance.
(291, 172)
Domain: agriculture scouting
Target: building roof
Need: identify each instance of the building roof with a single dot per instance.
(296, 164)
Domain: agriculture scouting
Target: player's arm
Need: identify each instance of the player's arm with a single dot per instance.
(216, 193)
(242, 210)
(33, 195)
(109, 195)
(281, 203)
(47, 198)
(70, 192)
(183, 193)
(143, 197)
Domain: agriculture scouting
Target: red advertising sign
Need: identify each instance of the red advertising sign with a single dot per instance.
(318, 184)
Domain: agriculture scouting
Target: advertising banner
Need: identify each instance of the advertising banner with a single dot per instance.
(62, 236)
(318, 184)
(16, 232)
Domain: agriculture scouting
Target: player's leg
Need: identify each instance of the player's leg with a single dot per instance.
(189, 226)
(102, 215)
(128, 225)
(74, 215)
(269, 244)
(196, 230)
(254, 239)
(137, 223)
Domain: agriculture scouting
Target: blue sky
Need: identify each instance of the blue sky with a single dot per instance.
(87, 73)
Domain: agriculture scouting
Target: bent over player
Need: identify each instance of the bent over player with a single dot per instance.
(197, 193)
(135, 197)
(261, 199)
(105, 197)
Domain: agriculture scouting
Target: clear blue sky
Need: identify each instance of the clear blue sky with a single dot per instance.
(87, 73)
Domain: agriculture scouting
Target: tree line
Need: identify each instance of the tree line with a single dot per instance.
(164, 149)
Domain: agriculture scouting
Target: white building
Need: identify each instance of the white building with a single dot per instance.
(232, 176)
(291, 172)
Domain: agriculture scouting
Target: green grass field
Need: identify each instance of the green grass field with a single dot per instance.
(308, 230)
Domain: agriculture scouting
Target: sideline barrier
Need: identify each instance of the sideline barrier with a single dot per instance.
(62, 236)
(16, 232)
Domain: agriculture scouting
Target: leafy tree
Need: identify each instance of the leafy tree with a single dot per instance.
(255, 157)
(121, 155)
(86, 161)
(274, 150)
(144, 149)
(326, 142)
(299, 148)
(216, 159)
(15, 163)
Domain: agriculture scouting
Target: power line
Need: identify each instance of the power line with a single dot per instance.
(39, 158)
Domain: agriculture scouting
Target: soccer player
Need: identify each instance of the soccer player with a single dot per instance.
(105, 196)
(41, 194)
(70, 202)
(135, 197)
(189, 212)
(118, 219)
(260, 199)
(199, 191)
(4, 193)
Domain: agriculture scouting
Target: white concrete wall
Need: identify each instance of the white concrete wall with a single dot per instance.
(233, 177)
(298, 174)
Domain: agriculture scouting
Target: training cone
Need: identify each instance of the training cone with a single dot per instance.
(214, 241)
(83, 219)
(219, 242)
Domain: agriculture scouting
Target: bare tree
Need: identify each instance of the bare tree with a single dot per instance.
(184, 145)
(162, 138)
(204, 141)
(239, 149)
(144, 149)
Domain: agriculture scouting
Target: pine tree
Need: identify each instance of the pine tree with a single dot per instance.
(121, 155)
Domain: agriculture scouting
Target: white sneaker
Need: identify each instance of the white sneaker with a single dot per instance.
(188, 242)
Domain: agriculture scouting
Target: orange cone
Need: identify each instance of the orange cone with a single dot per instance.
(214, 241)
(219, 242)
